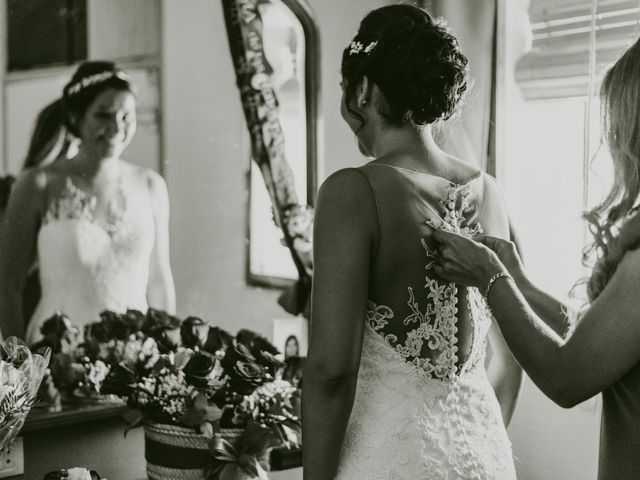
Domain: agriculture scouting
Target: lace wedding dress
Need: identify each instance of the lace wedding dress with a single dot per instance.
(89, 264)
(424, 408)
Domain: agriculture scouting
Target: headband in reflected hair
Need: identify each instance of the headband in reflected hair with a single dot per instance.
(94, 79)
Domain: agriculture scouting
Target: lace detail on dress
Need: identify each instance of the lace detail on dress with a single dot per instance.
(454, 204)
(92, 261)
(437, 324)
(76, 204)
(416, 415)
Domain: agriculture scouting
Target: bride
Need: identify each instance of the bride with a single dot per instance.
(395, 381)
(97, 225)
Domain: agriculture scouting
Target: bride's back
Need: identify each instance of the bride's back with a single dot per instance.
(436, 326)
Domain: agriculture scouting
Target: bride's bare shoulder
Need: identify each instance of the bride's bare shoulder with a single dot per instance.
(461, 172)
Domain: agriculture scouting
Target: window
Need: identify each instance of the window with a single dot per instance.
(556, 167)
(553, 168)
(46, 32)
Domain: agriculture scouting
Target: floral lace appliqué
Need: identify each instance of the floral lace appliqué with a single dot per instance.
(76, 204)
(435, 326)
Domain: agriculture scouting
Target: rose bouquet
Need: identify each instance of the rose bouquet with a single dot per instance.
(184, 378)
(20, 375)
(226, 390)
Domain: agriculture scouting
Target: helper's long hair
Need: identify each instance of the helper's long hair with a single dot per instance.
(620, 99)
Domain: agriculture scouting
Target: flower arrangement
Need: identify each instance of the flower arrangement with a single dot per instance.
(187, 374)
(213, 391)
(20, 375)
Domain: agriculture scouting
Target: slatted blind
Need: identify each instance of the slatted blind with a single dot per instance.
(558, 65)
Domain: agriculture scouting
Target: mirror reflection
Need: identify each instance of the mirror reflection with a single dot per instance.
(92, 265)
(92, 225)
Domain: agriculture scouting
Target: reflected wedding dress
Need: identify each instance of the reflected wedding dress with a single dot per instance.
(88, 265)
(424, 408)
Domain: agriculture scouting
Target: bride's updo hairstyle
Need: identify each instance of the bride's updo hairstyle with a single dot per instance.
(90, 80)
(415, 62)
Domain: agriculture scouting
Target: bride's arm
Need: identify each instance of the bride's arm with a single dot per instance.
(504, 372)
(18, 234)
(345, 225)
(161, 293)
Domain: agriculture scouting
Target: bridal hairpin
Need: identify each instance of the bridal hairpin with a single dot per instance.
(357, 47)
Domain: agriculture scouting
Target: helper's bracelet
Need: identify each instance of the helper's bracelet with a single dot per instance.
(493, 279)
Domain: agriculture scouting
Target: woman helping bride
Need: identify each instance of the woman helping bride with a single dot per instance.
(96, 225)
(601, 354)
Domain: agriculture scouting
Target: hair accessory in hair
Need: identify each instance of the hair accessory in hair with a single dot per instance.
(94, 79)
(357, 47)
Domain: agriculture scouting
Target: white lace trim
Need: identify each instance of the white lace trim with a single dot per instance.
(75, 204)
(437, 324)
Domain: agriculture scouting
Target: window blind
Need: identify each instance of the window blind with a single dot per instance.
(558, 64)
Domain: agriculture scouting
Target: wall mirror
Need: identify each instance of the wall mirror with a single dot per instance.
(291, 47)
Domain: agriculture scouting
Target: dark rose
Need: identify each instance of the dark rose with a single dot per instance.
(135, 319)
(256, 343)
(59, 335)
(263, 350)
(247, 377)
(97, 332)
(198, 369)
(234, 354)
(217, 339)
(112, 326)
(120, 381)
(194, 332)
(58, 324)
(116, 325)
(158, 321)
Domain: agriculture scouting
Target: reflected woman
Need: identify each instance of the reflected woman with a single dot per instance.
(97, 225)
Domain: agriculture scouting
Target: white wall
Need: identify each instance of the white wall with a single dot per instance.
(206, 164)
(338, 21)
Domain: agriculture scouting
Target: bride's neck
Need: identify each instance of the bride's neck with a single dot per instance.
(405, 140)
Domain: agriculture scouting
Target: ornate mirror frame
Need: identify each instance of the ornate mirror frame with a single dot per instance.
(244, 28)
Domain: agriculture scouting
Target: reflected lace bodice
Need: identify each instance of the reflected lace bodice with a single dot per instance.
(88, 263)
(421, 412)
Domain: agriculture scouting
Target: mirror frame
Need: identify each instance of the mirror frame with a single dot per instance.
(303, 12)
